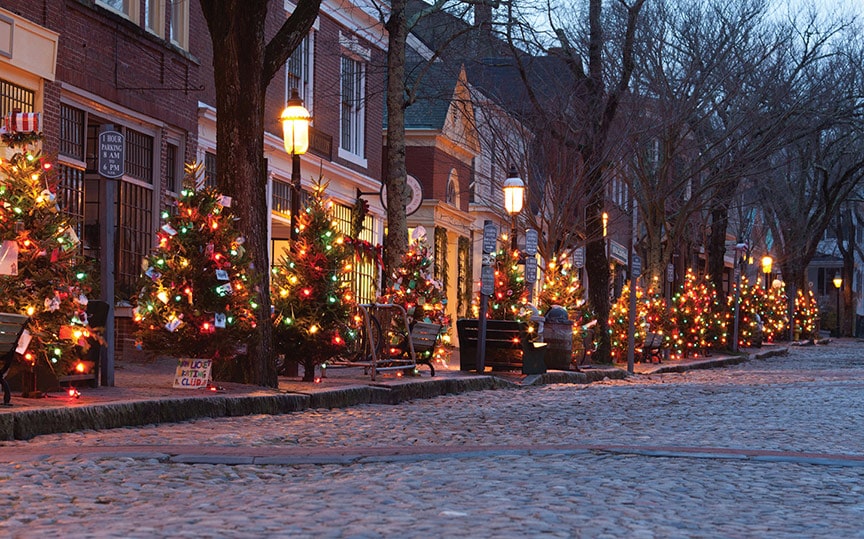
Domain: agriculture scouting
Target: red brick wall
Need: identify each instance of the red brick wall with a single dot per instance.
(432, 166)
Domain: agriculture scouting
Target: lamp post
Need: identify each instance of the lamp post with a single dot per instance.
(741, 261)
(514, 196)
(767, 262)
(295, 133)
(838, 282)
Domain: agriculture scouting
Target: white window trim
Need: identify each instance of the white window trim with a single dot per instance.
(348, 155)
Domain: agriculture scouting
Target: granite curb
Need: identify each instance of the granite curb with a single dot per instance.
(28, 423)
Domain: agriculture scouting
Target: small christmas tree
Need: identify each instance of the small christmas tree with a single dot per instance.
(699, 317)
(42, 272)
(806, 315)
(748, 325)
(561, 286)
(774, 311)
(416, 289)
(194, 297)
(312, 298)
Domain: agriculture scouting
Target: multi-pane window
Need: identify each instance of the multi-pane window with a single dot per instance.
(134, 235)
(298, 72)
(364, 278)
(178, 22)
(172, 172)
(72, 132)
(14, 97)
(282, 197)
(139, 156)
(70, 191)
(210, 169)
(352, 109)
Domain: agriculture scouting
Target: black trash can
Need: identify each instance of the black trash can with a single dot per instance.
(558, 336)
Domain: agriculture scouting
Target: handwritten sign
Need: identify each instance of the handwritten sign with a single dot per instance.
(193, 373)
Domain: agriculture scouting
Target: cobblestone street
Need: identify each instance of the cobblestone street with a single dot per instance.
(767, 448)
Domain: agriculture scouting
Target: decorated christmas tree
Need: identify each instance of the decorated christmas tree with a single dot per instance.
(748, 325)
(619, 323)
(561, 286)
(312, 298)
(416, 289)
(651, 316)
(774, 311)
(699, 317)
(194, 298)
(42, 272)
(806, 315)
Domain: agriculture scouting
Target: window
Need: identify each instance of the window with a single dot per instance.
(72, 132)
(139, 156)
(70, 190)
(178, 22)
(127, 8)
(364, 278)
(172, 172)
(210, 169)
(154, 16)
(282, 197)
(352, 110)
(451, 196)
(14, 97)
(298, 73)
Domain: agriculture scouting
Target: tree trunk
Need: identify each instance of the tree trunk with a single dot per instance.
(717, 246)
(396, 241)
(240, 89)
(597, 266)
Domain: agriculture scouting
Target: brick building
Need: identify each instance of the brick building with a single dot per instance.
(144, 68)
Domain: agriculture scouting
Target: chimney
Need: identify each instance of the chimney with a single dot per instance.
(483, 13)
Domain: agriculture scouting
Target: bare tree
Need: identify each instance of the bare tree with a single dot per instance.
(816, 173)
(600, 68)
(244, 63)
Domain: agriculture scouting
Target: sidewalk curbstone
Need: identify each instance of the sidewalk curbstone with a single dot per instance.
(24, 424)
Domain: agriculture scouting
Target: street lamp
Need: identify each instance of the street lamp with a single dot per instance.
(741, 250)
(514, 196)
(838, 282)
(767, 262)
(295, 133)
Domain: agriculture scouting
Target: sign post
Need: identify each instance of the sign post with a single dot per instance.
(487, 287)
(531, 261)
(111, 165)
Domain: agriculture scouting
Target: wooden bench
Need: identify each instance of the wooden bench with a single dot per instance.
(424, 338)
(509, 346)
(11, 328)
(652, 347)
